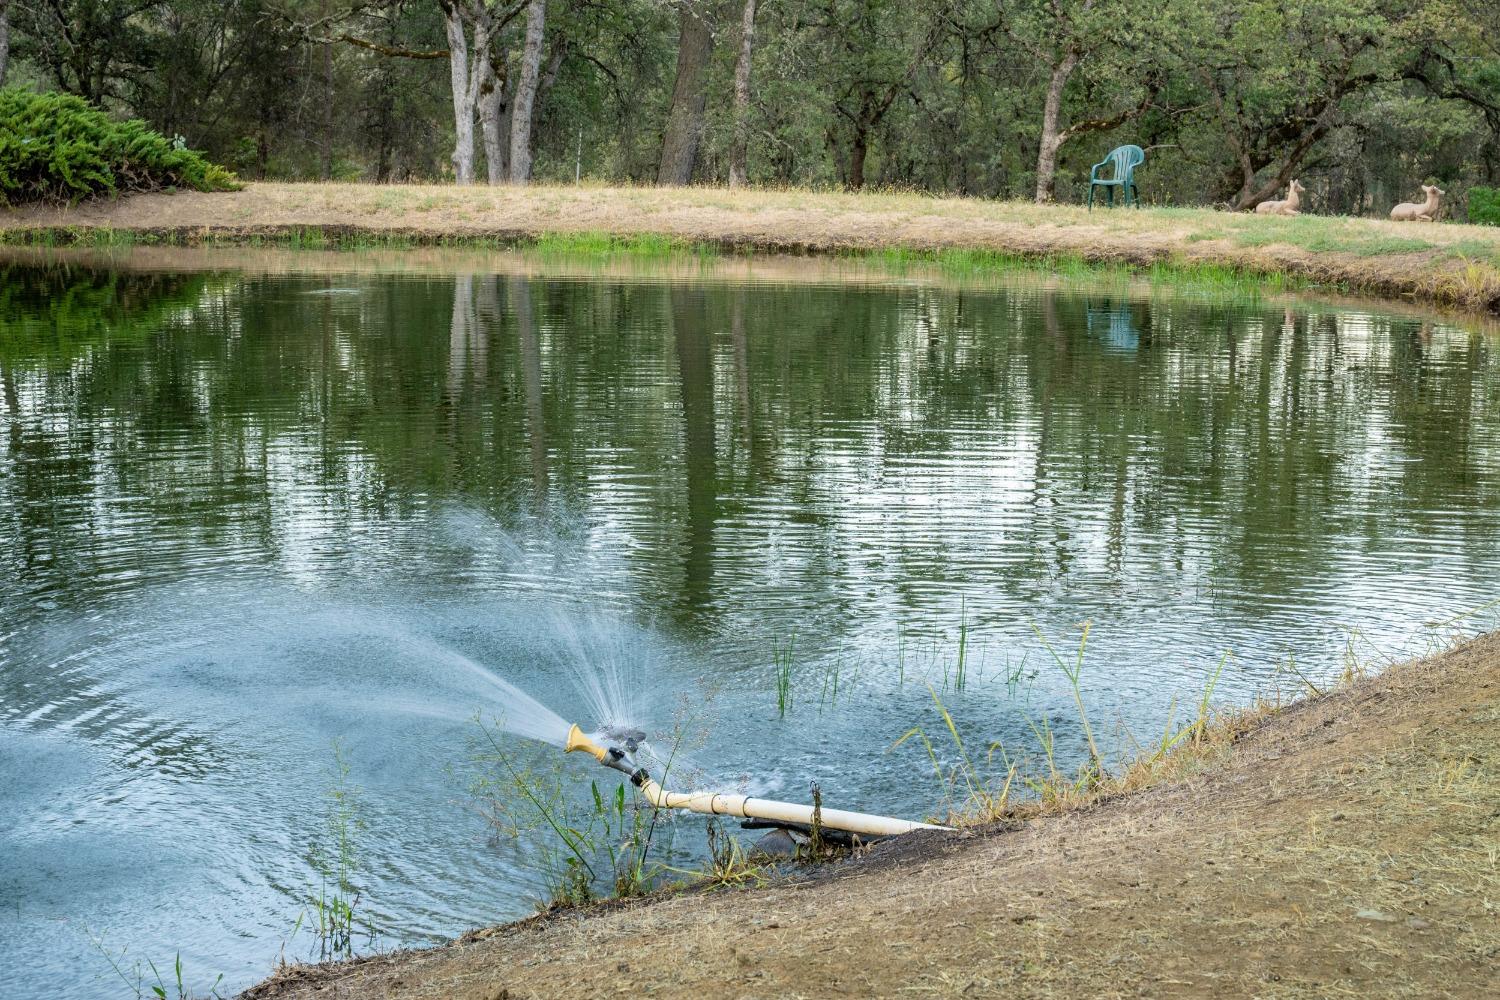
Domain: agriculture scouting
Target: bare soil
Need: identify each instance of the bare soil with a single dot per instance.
(1441, 263)
(1346, 846)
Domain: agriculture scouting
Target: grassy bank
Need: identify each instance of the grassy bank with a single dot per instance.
(1439, 263)
(1344, 845)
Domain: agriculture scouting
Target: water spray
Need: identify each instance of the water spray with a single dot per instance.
(768, 811)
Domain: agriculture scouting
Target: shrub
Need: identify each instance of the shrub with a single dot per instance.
(56, 147)
(1484, 206)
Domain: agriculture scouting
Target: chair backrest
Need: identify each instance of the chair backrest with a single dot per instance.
(1124, 160)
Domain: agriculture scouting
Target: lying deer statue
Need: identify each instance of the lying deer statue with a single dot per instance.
(1426, 212)
(1289, 207)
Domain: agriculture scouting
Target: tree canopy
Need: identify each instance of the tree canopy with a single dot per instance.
(1362, 100)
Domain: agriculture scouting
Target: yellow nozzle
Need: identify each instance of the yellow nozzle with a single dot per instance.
(577, 741)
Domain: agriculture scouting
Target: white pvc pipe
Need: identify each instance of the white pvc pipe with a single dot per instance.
(718, 804)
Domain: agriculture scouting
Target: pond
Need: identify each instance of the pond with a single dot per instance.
(276, 530)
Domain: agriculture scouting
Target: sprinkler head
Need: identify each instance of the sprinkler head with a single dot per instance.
(627, 736)
(577, 741)
(610, 757)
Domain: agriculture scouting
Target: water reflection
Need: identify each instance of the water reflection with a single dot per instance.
(531, 371)
(1116, 324)
(829, 439)
(692, 340)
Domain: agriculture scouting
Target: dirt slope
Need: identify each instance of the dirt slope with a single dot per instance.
(1350, 846)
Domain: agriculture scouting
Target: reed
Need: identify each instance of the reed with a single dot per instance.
(961, 674)
(1074, 672)
(140, 987)
(974, 792)
(331, 911)
(978, 795)
(829, 695)
(781, 662)
(1015, 674)
(605, 839)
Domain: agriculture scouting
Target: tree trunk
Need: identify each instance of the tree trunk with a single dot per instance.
(492, 123)
(1251, 194)
(463, 106)
(522, 106)
(469, 68)
(262, 152)
(327, 111)
(4, 38)
(858, 150)
(679, 145)
(870, 112)
(387, 110)
(1052, 134)
(739, 154)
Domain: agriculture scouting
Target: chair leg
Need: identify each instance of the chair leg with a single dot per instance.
(1091, 197)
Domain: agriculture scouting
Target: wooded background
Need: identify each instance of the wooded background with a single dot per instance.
(1362, 99)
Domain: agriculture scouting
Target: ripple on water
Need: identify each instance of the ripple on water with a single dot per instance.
(244, 518)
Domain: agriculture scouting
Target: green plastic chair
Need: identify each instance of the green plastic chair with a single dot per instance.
(1124, 160)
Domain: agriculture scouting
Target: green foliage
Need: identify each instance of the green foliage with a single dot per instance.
(584, 848)
(1484, 206)
(56, 147)
(1358, 98)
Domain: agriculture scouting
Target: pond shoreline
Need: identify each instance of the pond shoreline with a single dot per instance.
(1443, 264)
(1344, 844)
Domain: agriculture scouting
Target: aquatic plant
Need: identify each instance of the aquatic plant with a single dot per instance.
(1445, 633)
(1074, 672)
(832, 672)
(602, 843)
(781, 661)
(643, 246)
(979, 796)
(1016, 673)
(900, 657)
(141, 988)
(331, 910)
(963, 646)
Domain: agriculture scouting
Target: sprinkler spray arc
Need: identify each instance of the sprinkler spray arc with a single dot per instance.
(768, 811)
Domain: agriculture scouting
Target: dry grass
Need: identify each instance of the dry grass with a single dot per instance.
(1440, 263)
(1345, 846)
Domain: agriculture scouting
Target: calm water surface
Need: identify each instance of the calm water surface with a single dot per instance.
(244, 517)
